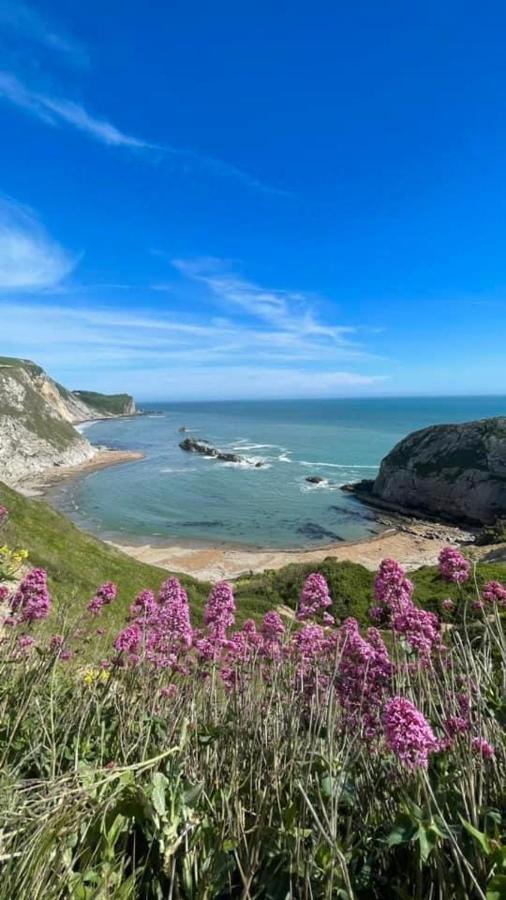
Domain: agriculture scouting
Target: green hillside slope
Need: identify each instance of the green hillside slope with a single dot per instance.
(115, 404)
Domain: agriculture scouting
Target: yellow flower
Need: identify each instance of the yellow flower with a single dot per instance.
(92, 675)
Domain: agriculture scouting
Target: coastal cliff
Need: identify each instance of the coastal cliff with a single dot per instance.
(36, 420)
(455, 472)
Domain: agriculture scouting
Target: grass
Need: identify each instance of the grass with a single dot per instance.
(78, 562)
(138, 782)
(110, 403)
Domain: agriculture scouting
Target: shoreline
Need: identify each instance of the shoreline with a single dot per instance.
(413, 542)
(39, 485)
(413, 546)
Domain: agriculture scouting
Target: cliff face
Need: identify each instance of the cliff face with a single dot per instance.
(452, 471)
(36, 416)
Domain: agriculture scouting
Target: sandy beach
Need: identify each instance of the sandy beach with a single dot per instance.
(38, 485)
(414, 544)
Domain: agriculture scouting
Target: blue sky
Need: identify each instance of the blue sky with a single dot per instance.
(224, 200)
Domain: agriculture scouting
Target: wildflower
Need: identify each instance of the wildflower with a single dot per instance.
(272, 626)
(219, 613)
(66, 655)
(391, 587)
(4, 513)
(105, 594)
(408, 734)
(448, 604)
(143, 605)
(453, 566)
(494, 592)
(310, 642)
(364, 674)
(483, 747)
(31, 600)
(129, 639)
(168, 692)
(56, 643)
(4, 592)
(25, 643)
(314, 597)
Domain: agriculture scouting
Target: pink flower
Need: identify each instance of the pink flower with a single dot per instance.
(129, 639)
(364, 675)
(314, 597)
(105, 594)
(391, 587)
(453, 566)
(169, 692)
(408, 734)
(448, 604)
(31, 600)
(143, 605)
(4, 592)
(219, 613)
(483, 747)
(494, 592)
(56, 643)
(272, 626)
(4, 513)
(25, 643)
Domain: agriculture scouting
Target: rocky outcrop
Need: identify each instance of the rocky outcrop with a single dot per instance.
(36, 416)
(453, 472)
(191, 445)
(105, 406)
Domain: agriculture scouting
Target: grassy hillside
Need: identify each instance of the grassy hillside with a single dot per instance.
(116, 404)
(78, 562)
(16, 362)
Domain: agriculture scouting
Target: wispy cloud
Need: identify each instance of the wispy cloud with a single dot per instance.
(30, 25)
(54, 110)
(291, 311)
(161, 354)
(29, 258)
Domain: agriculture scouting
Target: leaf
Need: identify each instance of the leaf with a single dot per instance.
(427, 836)
(402, 832)
(497, 888)
(158, 793)
(479, 836)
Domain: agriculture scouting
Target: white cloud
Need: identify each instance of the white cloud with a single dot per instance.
(31, 25)
(157, 354)
(290, 311)
(54, 110)
(29, 258)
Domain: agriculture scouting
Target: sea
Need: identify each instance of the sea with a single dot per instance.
(180, 497)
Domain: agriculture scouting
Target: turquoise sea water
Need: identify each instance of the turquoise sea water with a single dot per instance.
(173, 495)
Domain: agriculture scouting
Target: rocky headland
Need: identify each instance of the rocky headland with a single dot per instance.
(37, 417)
(455, 473)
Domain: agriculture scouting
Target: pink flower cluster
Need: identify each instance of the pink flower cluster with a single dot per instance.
(31, 600)
(105, 594)
(494, 592)
(393, 592)
(453, 566)
(315, 599)
(364, 676)
(4, 513)
(407, 733)
(161, 630)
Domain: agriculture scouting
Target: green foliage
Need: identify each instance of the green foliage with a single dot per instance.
(77, 562)
(117, 404)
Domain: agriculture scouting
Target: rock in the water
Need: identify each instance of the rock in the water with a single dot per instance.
(191, 445)
(456, 472)
(315, 479)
